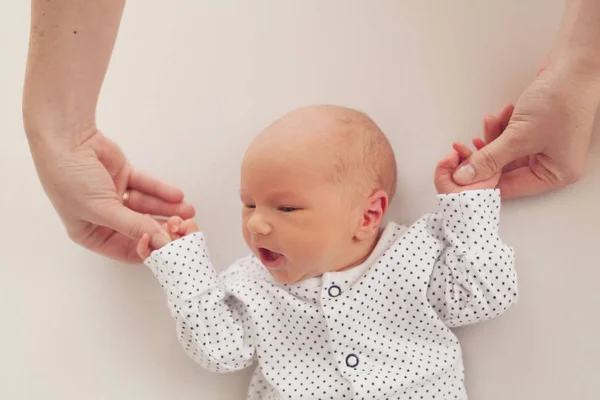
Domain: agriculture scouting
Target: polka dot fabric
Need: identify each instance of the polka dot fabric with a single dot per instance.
(377, 331)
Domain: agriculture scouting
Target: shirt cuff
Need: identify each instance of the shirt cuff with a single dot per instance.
(183, 267)
(471, 219)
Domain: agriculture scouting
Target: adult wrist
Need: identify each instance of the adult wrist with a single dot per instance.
(50, 130)
(576, 51)
(577, 76)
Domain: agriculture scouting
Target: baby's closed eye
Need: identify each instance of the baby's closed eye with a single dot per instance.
(285, 209)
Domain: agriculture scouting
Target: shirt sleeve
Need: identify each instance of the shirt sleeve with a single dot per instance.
(213, 326)
(473, 278)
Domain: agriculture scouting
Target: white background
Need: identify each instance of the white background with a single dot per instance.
(189, 85)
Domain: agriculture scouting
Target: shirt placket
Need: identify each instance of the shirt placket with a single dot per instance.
(333, 300)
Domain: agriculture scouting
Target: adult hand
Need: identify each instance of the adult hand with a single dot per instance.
(543, 143)
(86, 185)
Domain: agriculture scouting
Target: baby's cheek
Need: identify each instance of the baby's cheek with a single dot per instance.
(307, 247)
(245, 232)
(316, 255)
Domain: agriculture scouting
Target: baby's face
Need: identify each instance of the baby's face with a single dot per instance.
(295, 220)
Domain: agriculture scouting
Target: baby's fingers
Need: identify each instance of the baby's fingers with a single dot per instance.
(443, 173)
(463, 151)
(188, 226)
(143, 247)
(173, 224)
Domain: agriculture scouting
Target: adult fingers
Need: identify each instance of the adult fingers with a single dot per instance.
(149, 204)
(148, 184)
(490, 160)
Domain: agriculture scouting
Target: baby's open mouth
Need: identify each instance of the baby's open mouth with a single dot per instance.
(270, 258)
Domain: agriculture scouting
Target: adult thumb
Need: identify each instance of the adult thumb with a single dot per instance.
(133, 225)
(488, 161)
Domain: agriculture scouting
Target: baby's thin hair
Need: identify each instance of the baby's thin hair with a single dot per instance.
(366, 157)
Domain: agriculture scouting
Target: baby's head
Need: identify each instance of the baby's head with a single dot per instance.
(315, 186)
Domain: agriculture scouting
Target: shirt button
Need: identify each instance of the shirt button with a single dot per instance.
(352, 360)
(334, 291)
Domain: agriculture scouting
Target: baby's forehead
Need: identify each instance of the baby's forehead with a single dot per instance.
(288, 164)
(292, 182)
(324, 136)
(310, 162)
(344, 145)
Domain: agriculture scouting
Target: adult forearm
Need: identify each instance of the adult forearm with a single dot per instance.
(578, 41)
(71, 42)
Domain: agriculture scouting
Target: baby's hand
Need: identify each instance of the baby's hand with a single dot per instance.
(444, 183)
(175, 227)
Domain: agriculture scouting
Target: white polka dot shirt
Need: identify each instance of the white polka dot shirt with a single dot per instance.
(376, 331)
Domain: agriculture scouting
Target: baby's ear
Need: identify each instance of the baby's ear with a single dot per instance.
(372, 215)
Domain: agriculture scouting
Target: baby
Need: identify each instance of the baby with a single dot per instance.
(332, 303)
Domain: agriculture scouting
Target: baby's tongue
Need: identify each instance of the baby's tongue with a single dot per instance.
(271, 255)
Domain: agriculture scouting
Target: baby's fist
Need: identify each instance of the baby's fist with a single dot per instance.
(175, 227)
(445, 184)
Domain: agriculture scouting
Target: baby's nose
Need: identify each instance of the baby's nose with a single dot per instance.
(258, 225)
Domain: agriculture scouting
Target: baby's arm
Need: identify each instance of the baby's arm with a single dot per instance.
(212, 326)
(473, 278)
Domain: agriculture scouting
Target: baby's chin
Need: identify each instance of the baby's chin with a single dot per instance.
(284, 274)
(283, 277)
(289, 276)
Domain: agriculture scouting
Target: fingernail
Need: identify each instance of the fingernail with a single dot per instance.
(160, 239)
(464, 174)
